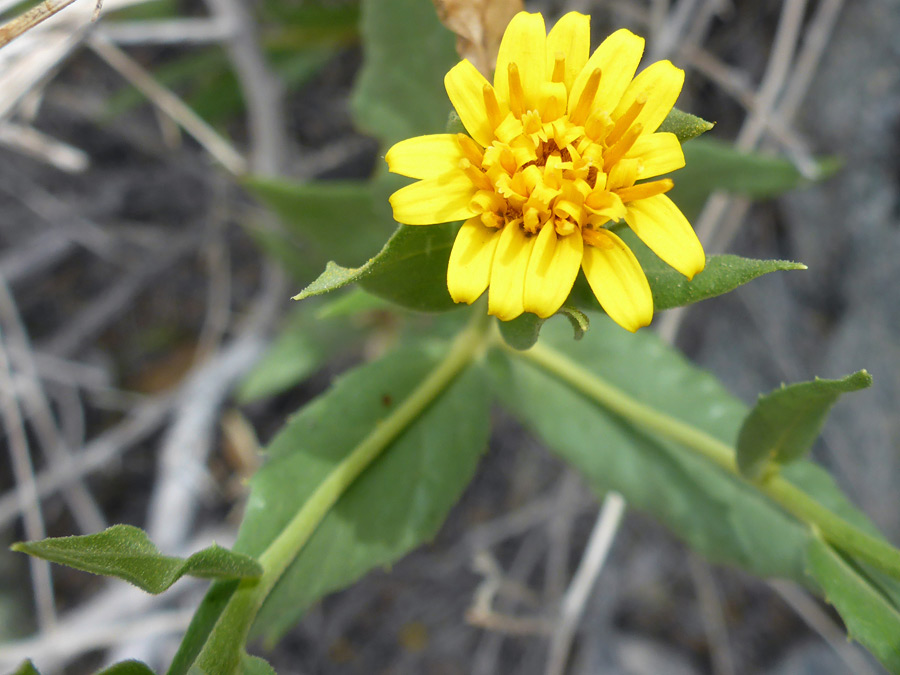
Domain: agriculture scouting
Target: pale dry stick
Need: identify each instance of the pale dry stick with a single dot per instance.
(659, 14)
(821, 26)
(261, 88)
(506, 587)
(710, 223)
(599, 543)
(167, 32)
(23, 471)
(489, 534)
(30, 258)
(777, 70)
(68, 373)
(712, 615)
(703, 20)
(169, 103)
(819, 621)
(559, 536)
(105, 308)
(31, 18)
(30, 61)
(95, 456)
(77, 640)
(29, 141)
(35, 401)
(733, 82)
(668, 37)
(60, 215)
(218, 265)
(629, 10)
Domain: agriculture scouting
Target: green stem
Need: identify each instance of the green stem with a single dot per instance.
(222, 651)
(832, 527)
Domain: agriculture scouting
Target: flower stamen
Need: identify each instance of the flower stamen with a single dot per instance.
(516, 93)
(645, 190)
(617, 151)
(491, 106)
(627, 119)
(559, 67)
(586, 100)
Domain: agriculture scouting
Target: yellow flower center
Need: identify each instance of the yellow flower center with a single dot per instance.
(559, 163)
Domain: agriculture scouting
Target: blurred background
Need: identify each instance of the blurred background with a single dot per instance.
(135, 301)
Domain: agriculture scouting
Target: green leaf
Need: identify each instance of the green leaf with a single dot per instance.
(684, 125)
(304, 345)
(400, 89)
(337, 217)
(670, 288)
(712, 165)
(723, 273)
(870, 617)
(130, 667)
(352, 303)
(783, 425)
(398, 503)
(26, 668)
(126, 552)
(719, 515)
(411, 270)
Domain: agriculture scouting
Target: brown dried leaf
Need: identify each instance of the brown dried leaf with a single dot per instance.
(479, 26)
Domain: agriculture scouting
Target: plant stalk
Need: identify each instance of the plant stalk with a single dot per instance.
(801, 505)
(221, 654)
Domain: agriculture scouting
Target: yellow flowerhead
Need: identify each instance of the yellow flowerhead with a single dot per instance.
(558, 149)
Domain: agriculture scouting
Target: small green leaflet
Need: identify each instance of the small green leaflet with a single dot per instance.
(26, 668)
(523, 332)
(411, 270)
(783, 425)
(870, 617)
(684, 125)
(126, 552)
(130, 667)
(253, 665)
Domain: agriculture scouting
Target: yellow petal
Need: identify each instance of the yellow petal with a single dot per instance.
(658, 154)
(434, 200)
(465, 87)
(552, 269)
(571, 37)
(662, 226)
(425, 156)
(617, 57)
(469, 270)
(524, 43)
(662, 83)
(617, 280)
(507, 292)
